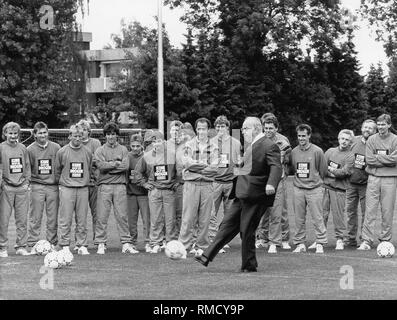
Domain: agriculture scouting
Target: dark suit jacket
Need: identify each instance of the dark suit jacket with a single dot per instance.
(262, 166)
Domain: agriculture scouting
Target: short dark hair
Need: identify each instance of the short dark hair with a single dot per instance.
(270, 119)
(222, 120)
(38, 126)
(384, 117)
(111, 127)
(202, 120)
(303, 126)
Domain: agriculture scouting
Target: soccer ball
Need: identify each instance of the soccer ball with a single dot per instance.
(51, 260)
(42, 247)
(68, 257)
(61, 258)
(175, 250)
(385, 249)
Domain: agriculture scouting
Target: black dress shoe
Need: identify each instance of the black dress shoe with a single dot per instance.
(203, 260)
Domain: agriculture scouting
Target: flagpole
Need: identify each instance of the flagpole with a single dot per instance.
(160, 75)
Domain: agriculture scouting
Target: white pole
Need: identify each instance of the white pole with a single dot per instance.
(160, 80)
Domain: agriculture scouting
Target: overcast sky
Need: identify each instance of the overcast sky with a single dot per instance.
(104, 19)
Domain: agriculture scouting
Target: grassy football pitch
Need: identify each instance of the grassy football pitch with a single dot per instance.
(145, 276)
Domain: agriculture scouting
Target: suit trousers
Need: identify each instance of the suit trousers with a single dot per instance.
(243, 218)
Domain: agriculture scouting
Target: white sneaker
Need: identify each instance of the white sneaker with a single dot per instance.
(101, 248)
(128, 248)
(285, 245)
(147, 248)
(3, 253)
(300, 248)
(364, 246)
(339, 245)
(76, 248)
(156, 249)
(83, 251)
(22, 252)
(272, 249)
(319, 248)
(199, 252)
(261, 244)
(313, 245)
(226, 246)
(192, 251)
(163, 245)
(222, 251)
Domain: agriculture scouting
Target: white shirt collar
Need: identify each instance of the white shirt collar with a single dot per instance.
(259, 136)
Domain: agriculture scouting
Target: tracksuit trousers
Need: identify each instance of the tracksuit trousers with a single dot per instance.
(73, 200)
(162, 215)
(334, 201)
(310, 199)
(136, 205)
(43, 196)
(197, 205)
(380, 191)
(221, 194)
(355, 193)
(112, 195)
(16, 198)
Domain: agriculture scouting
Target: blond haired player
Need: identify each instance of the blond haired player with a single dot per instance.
(73, 170)
(16, 176)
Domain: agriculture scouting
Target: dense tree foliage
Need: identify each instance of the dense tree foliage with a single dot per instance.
(37, 72)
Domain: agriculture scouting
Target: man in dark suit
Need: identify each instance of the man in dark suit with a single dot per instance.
(255, 188)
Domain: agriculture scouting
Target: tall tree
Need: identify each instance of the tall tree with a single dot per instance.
(375, 87)
(36, 73)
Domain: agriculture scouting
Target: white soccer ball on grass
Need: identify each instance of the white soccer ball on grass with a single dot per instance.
(51, 260)
(42, 247)
(385, 249)
(175, 250)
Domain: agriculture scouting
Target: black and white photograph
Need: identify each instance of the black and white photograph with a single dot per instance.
(198, 156)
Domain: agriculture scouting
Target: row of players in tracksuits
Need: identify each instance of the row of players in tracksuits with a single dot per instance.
(361, 170)
(178, 185)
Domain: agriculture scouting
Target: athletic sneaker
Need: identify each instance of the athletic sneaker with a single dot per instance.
(285, 245)
(199, 252)
(319, 248)
(313, 245)
(300, 248)
(22, 252)
(272, 249)
(222, 251)
(192, 251)
(3, 253)
(164, 245)
(261, 244)
(147, 248)
(364, 246)
(129, 248)
(156, 249)
(339, 245)
(76, 248)
(226, 246)
(101, 248)
(83, 251)
(66, 249)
